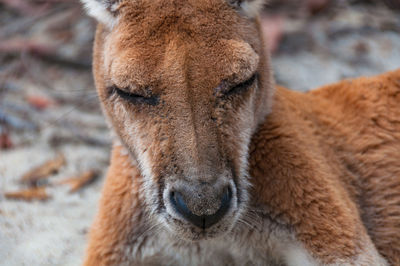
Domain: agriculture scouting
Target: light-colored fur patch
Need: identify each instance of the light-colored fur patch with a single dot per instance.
(296, 255)
(275, 246)
(250, 8)
(100, 11)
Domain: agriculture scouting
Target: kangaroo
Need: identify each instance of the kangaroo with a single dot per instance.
(213, 164)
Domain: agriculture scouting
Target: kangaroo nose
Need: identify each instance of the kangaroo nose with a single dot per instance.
(202, 221)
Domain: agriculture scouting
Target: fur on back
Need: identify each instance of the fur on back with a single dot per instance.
(333, 167)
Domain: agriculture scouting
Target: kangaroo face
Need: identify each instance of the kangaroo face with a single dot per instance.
(184, 88)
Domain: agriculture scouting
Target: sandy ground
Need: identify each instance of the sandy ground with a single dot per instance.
(363, 40)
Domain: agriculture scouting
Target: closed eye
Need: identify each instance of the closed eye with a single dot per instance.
(241, 87)
(134, 97)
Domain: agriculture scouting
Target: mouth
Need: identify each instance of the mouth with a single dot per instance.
(187, 232)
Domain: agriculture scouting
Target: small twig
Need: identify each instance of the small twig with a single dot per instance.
(57, 140)
(19, 45)
(78, 182)
(16, 122)
(26, 22)
(26, 8)
(43, 51)
(43, 171)
(30, 194)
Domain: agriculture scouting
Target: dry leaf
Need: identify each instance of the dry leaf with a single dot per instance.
(43, 171)
(78, 182)
(5, 141)
(315, 6)
(28, 194)
(39, 102)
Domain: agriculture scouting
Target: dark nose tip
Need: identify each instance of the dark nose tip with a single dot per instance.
(202, 221)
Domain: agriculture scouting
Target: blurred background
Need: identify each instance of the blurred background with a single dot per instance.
(54, 142)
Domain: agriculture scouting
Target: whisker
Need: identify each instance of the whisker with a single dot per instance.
(47, 121)
(90, 98)
(151, 228)
(245, 222)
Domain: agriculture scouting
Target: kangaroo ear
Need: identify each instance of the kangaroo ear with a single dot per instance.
(104, 11)
(250, 8)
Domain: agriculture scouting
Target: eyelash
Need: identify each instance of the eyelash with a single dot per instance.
(154, 100)
(135, 98)
(242, 86)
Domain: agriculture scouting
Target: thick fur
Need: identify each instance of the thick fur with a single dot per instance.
(325, 177)
(326, 163)
(314, 177)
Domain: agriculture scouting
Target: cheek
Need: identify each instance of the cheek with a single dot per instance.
(128, 129)
(146, 137)
(241, 127)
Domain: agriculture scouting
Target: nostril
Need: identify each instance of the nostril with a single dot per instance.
(180, 206)
(226, 199)
(202, 221)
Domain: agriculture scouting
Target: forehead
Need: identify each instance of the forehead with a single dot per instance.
(153, 37)
(193, 18)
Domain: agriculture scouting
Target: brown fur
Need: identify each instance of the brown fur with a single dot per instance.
(327, 162)
(323, 165)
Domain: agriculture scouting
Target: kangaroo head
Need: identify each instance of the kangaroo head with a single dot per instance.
(184, 85)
